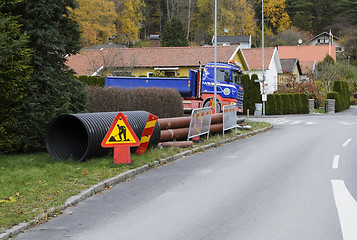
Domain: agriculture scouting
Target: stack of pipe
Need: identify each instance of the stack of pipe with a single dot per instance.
(177, 128)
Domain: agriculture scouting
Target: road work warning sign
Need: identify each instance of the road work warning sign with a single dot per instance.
(120, 133)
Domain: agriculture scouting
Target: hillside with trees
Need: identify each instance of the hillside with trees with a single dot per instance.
(129, 22)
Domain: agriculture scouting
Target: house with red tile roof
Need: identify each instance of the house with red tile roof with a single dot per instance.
(172, 61)
(272, 66)
(308, 56)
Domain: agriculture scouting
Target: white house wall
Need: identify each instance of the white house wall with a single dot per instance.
(271, 78)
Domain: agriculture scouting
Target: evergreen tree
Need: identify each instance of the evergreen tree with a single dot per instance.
(14, 72)
(174, 35)
(52, 89)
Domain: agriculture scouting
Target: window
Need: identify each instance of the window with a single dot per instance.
(236, 77)
(223, 75)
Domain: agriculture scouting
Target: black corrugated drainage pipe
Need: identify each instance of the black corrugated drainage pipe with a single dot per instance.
(79, 136)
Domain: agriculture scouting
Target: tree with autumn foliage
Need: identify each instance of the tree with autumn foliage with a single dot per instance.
(96, 19)
(235, 15)
(130, 15)
(276, 17)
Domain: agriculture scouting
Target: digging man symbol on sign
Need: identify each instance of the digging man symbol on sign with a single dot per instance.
(121, 134)
(122, 131)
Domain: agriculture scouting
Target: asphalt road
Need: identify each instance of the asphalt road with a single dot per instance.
(296, 181)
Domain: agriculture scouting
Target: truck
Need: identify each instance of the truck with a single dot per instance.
(197, 90)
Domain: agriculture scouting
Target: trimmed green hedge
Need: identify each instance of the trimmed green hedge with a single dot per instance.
(271, 106)
(251, 93)
(290, 103)
(304, 103)
(287, 108)
(92, 81)
(293, 103)
(337, 97)
(279, 104)
(341, 94)
(163, 102)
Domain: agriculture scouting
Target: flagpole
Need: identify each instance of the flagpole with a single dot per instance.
(329, 44)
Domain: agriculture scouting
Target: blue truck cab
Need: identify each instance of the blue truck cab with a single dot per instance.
(228, 83)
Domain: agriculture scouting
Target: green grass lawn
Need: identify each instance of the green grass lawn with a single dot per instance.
(30, 184)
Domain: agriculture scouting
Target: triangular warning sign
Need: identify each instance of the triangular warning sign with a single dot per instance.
(120, 133)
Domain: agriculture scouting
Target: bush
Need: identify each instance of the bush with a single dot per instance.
(163, 102)
(279, 104)
(251, 93)
(305, 103)
(92, 80)
(298, 103)
(337, 97)
(342, 88)
(271, 106)
(287, 108)
(293, 103)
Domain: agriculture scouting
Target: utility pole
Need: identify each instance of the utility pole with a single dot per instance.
(263, 80)
(215, 56)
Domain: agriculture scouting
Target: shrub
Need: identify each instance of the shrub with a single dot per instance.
(287, 108)
(337, 97)
(271, 106)
(92, 80)
(251, 92)
(255, 90)
(279, 104)
(293, 103)
(298, 102)
(163, 102)
(304, 103)
(342, 88)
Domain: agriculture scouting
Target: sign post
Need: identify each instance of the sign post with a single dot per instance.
(147, 133)
(120, 136)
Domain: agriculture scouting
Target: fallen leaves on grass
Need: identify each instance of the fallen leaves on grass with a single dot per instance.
(11, 199)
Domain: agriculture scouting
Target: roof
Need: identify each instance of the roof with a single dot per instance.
(289, 64)
(90, 60)
(105, 45)
(307, 67)
(233, 39)
(254, 57)
(307, 53)
(323, 33)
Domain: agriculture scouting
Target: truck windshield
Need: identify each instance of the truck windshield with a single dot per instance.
(223, 75)
(236, 77)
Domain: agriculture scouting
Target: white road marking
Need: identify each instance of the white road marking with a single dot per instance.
(347, 142)
(335, 161)
(346, 208)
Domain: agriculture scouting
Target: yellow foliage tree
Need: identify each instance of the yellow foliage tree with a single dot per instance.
(275, 15)
(235, 15)
(97, 20)
(129, 18)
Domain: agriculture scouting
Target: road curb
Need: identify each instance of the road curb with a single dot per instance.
(72, 201)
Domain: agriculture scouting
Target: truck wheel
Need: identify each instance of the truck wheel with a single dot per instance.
(219, 105)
